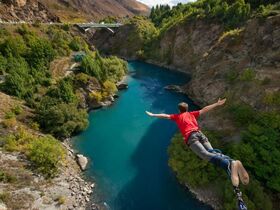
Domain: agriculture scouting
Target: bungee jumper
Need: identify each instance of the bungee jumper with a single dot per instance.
(200, 145)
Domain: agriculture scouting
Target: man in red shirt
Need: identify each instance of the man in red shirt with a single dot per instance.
(199, 144)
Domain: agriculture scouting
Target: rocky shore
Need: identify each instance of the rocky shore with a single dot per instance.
(66, 191)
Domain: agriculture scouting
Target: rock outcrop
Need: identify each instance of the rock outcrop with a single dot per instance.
(25, 10)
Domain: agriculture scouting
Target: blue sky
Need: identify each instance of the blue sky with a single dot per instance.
(170, 2)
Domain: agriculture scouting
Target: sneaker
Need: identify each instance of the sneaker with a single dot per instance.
(244, 176)
(234, 173)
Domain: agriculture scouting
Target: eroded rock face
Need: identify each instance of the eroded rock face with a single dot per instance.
(19, 3)
(26, 10)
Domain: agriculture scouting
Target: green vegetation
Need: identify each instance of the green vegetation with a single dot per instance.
(109, 88)
(109, 19)
(45, 153)
(63, 91)
(6, 177)
(25, 57)
(78, 44)
(247, 75)
(272, 98)
(61, 119)
(230, 13)
(234, 33)
(111, 68)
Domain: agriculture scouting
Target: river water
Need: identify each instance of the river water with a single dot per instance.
(128, 150)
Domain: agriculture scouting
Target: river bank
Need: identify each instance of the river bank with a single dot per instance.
(68, 190)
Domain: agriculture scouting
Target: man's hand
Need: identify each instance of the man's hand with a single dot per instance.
(221, 102)
(150, 114)
(162, 116)
(212, 106)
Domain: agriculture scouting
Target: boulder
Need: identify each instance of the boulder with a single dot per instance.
(3, 206)
(122, 86)
(82, 161)
(175, 88)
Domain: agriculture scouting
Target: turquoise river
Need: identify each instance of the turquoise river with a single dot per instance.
(128, 150)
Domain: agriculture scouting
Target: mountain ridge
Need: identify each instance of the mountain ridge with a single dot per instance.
(69, 10)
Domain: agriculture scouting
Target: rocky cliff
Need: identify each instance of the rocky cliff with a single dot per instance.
(25, 10)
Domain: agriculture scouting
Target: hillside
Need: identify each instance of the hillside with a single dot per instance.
(92, 10)
(69, 10)
(45, 93)
(231, 51)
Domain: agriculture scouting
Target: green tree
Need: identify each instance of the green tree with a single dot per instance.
(18, 82)
(92, 66)
(62, 120)
(63, 91)
(13, 47)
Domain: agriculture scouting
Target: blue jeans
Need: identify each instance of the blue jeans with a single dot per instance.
(200, 145)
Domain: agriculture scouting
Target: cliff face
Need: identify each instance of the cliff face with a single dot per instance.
(25, 10)
(217, 60)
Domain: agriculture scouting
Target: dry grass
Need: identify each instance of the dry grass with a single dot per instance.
(6, 104)
(60, 66)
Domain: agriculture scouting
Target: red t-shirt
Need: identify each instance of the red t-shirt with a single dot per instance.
(186, 122)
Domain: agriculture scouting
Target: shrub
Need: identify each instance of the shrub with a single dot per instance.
(78, 44)
(61, 200)
(40, 53)
(247, 75)
(18, 82)
(61, 120)
(272, 98)
(96, 96)
(231, 76)
(6, 177)
(9, 115)
(13, 47)
(60, 41)
(82, 78)
(63, 91)
(3, 64)
(114, 68)
(9, 123)
(109, 88)
(91, 65)
(17, 109)
(234, 33)
(46, 153)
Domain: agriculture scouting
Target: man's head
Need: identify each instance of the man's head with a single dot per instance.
(183, 107)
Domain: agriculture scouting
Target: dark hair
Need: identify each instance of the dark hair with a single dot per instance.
(183, 107)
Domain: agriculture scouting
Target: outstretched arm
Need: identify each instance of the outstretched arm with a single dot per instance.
(162, 116)
(212, 106)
